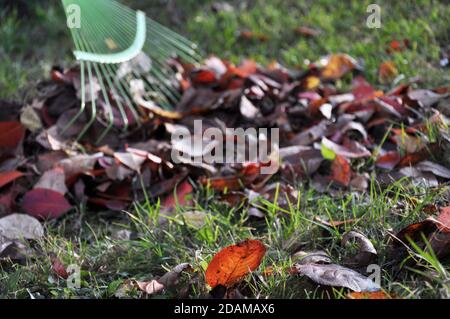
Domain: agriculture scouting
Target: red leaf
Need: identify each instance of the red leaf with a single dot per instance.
(45, 203)
(389, 160)
(8, 177)
(444, 218)
(234, 262)
(203, 77)
(11, 133)
(182, 190)
(59, 268)
(341, 170)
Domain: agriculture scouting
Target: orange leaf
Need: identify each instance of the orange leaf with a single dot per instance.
(388, 71)
(234, 262)
(368, 295)
(341, 170)
(338, 65)
(8, 177)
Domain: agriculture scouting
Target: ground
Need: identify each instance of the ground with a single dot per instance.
(32, 44)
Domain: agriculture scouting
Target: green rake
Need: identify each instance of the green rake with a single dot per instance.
(116, 46)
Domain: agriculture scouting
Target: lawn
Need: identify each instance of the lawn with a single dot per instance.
(100, 243)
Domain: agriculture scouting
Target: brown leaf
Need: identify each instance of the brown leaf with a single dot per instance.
(234, 262)
(306, 31)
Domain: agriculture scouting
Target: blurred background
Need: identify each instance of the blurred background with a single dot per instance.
(414, 35)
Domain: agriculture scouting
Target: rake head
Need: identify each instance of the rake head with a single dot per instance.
(118, 48)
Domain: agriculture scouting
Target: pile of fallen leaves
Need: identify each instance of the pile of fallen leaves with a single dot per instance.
(331, 140)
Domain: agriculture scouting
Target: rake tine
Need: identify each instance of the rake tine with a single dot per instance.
(107, 103)
(93, 105)
(113, 34)
(83, 100)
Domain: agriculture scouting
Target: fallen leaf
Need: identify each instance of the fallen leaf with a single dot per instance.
(387, 72)
(167, 281)
(337, 276)
(308, 32)
(182, 191)
(195, 219)
(314, 257)
(444, 219)
(8, 177)
(369, 295)
(11, 134)
(45, 204)
(54, 179)
(436, 169)
(20, 226)
(59, 268)
(337, 66)
(358, 150)
(367, 253)
(234, 262)
(151, 287)
(388, 160)
(131, 160)
(16, 227)
(341, 171)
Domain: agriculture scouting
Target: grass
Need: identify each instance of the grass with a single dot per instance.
(31, 46)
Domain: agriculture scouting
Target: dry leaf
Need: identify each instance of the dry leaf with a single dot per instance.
(232, 263)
